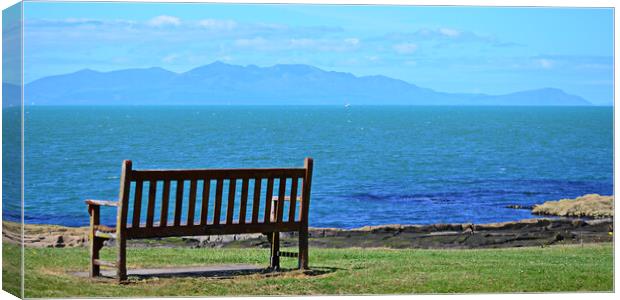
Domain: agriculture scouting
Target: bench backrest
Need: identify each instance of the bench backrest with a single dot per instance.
(157, 203)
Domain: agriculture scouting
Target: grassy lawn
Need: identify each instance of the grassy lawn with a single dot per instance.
(11, 265)
(337, 271)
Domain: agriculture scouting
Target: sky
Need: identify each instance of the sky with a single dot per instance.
(488, 50)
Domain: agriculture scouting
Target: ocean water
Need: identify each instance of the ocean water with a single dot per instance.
(373, 164)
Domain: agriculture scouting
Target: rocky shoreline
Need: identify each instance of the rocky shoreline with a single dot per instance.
(524, 233)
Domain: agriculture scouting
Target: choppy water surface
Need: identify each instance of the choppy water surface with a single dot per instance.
(373, 165)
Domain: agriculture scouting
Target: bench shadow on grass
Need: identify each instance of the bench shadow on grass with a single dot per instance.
(211, 272)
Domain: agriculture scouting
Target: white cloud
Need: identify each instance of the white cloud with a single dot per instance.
(405, 48)
(215, 24)
(164, 20)
(449, 32)
(545, 63)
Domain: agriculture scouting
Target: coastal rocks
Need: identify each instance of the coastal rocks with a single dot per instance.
(524, 233)
(45, 235)
(531, 232)
(517, 206)
(60, 242)
(591, 205)
(218, 241)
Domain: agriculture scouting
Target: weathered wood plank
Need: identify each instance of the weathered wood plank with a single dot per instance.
(244, 200)
(256, 199)
(216, 173)
(95, 243)
(101, 202)
(192, 202)
(293, 199)
(178, 206)
(232, 189)
(218, 201)
(123, 197)
(204, 210)
(268, 196)
(281, 195)
(104, 263)
(305, 194)
(137, 204)
(212, 229)
(305, 204)
(150, 212)
(121, 221)
(165, 199)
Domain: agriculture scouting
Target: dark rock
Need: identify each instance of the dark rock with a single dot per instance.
(517, 206)
(60, 242)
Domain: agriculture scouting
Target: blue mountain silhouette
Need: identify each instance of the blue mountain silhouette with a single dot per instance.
(221, 83)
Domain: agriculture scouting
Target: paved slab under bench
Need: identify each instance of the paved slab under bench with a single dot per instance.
(216, 271)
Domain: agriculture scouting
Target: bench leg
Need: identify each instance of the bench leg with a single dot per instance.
(95, 242)
(303, 249)
(95, 245)
(121, 261)
(274, 238)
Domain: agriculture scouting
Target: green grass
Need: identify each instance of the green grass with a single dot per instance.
(11, 269)
(336, 271)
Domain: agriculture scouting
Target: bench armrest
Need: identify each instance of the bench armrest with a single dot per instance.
(101, 202)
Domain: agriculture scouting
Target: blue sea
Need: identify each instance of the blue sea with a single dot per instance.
(373, 164)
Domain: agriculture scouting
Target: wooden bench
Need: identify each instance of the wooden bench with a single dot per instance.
(145, 203)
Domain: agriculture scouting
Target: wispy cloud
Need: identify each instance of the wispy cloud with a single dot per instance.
(405, 48)
(215, 24)
(545, 63)
(75, 22)
(305, 44)
(339, 45)
(442, 34)
(164, 20)
(449, 32)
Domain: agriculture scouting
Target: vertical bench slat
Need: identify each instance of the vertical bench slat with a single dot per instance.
(178, 206)
(165, 197)
(293, 203)
(301, 205)
(244, 200)
(218, 201)
(268, 197)
(137, 205)
(204, 210)
(192, 202)
(232, 189)
(256, 199)
(151, 204)
(281, 195)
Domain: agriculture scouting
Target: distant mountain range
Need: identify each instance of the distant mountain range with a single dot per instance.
(220, 83)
